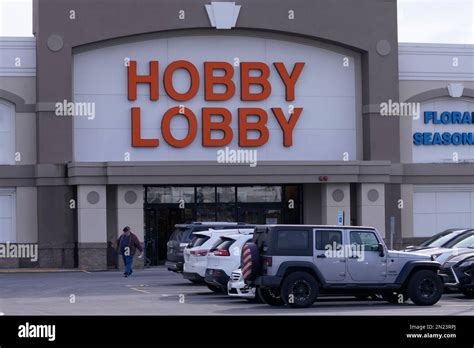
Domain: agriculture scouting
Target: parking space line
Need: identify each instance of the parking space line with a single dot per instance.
(139, 290)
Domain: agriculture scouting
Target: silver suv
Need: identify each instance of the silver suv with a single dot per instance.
(292, 264)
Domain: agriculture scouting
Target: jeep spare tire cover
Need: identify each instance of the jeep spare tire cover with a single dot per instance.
(250, 261)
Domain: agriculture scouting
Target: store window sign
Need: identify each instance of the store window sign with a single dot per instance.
(217, 73)
(445, 138)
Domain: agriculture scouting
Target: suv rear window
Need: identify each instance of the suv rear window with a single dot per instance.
(292, 239)
(181, 234)
(198, 241)
(223, 244)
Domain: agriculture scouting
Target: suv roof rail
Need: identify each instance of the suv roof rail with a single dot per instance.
(245, 230)
(215, 223)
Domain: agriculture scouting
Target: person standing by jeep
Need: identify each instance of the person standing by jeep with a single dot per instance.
(127, 245)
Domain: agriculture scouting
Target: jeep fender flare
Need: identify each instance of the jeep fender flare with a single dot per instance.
(412, 266)
(301, 265)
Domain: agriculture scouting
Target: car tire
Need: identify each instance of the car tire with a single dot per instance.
(270, 297)
(425, 288)
(468, 292)
(214, 288)
(250, 261)
(395, 297)
(299, 290)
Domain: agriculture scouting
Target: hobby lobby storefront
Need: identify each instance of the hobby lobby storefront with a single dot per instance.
(254, 111)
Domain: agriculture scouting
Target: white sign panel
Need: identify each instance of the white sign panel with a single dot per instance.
(316, 86)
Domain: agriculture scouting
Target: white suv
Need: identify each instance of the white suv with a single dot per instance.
(195, 253)
(223, 259)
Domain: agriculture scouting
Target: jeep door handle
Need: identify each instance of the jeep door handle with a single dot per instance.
(321, 256)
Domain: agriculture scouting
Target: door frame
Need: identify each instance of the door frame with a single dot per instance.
(383, 259)
(342, 259)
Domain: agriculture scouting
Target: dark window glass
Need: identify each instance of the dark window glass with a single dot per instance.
(206, 213)
(181, 234)
(272, 216)
(206, 194)
(366, 241)
(292, 192)
(198, 241)
(170, 194)
(333, 239)
(259, 194)
(226, 212)
(293, 239)
(223, 244)
(226, 194)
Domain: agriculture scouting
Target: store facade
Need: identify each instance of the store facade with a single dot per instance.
(204, 111)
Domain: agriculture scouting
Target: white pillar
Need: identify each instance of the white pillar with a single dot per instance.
(371, 206)
(335, 198)
(130, 209)
(130, 199)
(406, 207)
(92, 226)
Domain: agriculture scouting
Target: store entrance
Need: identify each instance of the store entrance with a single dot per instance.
(159, 224)
(166, 206)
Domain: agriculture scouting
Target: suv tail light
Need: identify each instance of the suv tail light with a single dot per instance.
(221, 253)
(268, 261)
(199, 252)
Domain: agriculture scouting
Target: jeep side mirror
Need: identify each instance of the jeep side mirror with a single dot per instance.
(381, 250)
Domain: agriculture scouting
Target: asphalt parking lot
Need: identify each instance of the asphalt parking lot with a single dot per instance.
(156, 291)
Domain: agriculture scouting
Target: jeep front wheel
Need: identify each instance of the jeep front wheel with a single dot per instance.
(299, 290)
(425, 288)
(269, 296)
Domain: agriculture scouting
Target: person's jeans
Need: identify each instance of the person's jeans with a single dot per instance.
(127, 261)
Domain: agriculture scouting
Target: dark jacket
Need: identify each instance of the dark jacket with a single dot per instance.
(133, 244)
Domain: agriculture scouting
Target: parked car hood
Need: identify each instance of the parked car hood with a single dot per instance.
(409, 255)
(432, 251)
(441, 254)
(417, 248)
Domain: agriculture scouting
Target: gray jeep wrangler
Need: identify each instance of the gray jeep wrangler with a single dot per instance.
(292, 264)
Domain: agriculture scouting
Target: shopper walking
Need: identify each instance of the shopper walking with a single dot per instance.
(127, 244)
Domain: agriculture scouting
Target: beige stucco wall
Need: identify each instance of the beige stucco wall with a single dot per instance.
(26, 215)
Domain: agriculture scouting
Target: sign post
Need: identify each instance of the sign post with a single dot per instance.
(392, 231)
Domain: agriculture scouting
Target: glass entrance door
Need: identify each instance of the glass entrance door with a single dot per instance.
(167, 206)
(159, 224)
